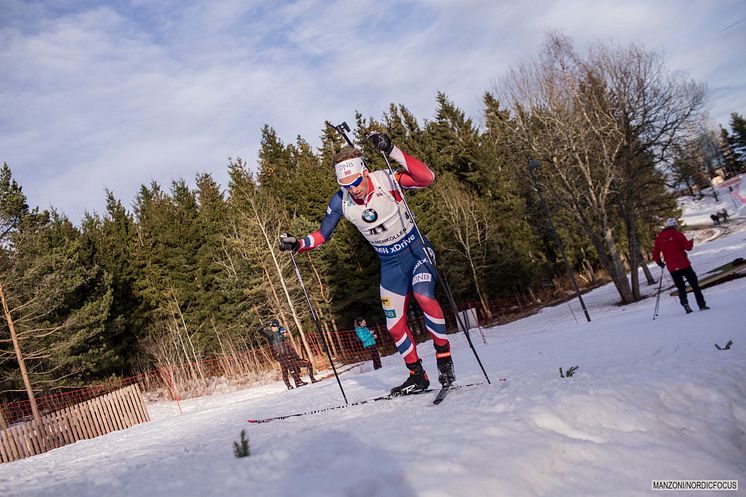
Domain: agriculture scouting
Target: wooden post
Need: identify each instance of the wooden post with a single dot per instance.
(138, 401)
(85, 421)
(78, 429)
(4, 454)
(173, 391)
(129, 399)
(12, 444)
(141, 403)
(116, 411)
(97, 417)
(92, 423)
(33, 441)
(103, 418)
(122, 408)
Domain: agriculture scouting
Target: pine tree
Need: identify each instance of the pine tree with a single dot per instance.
(506, 188)
(276, 170)
(313, 183)
(108, 243)
(58, 304)
(738, 138)
(210, 301)
(165, 255)
(13, 206)
(454, 143)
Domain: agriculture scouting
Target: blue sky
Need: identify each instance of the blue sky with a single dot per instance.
(98, 95)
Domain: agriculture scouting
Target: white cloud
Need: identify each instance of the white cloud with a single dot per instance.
(114, 96)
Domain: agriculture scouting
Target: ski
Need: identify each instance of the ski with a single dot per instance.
(317, 411)
(367, 401)
(442, 395)
(444, 390)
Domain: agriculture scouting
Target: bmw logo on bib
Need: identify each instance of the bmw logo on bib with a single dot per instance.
(370, 215)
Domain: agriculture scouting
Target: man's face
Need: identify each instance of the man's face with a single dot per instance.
(274, 327)
(352, 175)
(357, 185)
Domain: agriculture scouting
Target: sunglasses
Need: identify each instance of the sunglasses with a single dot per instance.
(354, 183)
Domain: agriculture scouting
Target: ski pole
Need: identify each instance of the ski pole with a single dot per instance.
(341, 129)
(316, 322)
(658, 297)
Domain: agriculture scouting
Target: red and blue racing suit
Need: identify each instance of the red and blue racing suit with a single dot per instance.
(383, 219)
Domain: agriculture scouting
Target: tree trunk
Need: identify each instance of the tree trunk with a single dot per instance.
(645, 269)
(176, 330)
(189, 339)
(289, 299)
(634, 249)
(619, 275)
(589, 270)
(482, 300)
(608, 255)
(19, 357)
(327, 332)
(327, 300)
(328, 337)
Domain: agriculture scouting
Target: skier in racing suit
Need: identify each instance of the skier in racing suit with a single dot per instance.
(371, 201)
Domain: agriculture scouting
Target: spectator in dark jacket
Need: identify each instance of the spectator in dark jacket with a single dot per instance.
(724, 215)
(674, 246)
(369, 341)
(283, 351)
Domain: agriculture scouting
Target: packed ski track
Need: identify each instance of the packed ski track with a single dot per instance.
(650, 400)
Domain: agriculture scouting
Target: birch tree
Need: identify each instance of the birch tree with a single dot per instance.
(562, 117)
(655, 111)
(256, 229)
(472, 228)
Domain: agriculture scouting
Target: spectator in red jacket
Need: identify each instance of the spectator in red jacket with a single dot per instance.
(674, 246)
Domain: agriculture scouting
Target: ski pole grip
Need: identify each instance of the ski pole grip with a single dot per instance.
(341, 129)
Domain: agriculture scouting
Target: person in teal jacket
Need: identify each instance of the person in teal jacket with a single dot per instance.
(369, 341)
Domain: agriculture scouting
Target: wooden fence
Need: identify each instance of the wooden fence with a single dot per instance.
(111, 412)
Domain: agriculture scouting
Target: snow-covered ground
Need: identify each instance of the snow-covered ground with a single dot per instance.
(731, 197)
(652, 399)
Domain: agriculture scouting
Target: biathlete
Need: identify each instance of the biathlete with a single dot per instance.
(371, 201)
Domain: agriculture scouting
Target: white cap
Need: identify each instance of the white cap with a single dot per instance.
(347, 170)
(671, 222)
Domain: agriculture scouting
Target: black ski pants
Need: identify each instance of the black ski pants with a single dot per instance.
(375, 357)
(292, 363)
(678, 278)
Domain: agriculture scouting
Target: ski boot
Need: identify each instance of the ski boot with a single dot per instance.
(704, 307)
(687, 308)
(446, 375)
(416, 383)
(314, 380)
(300, 383)
(289, 387)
